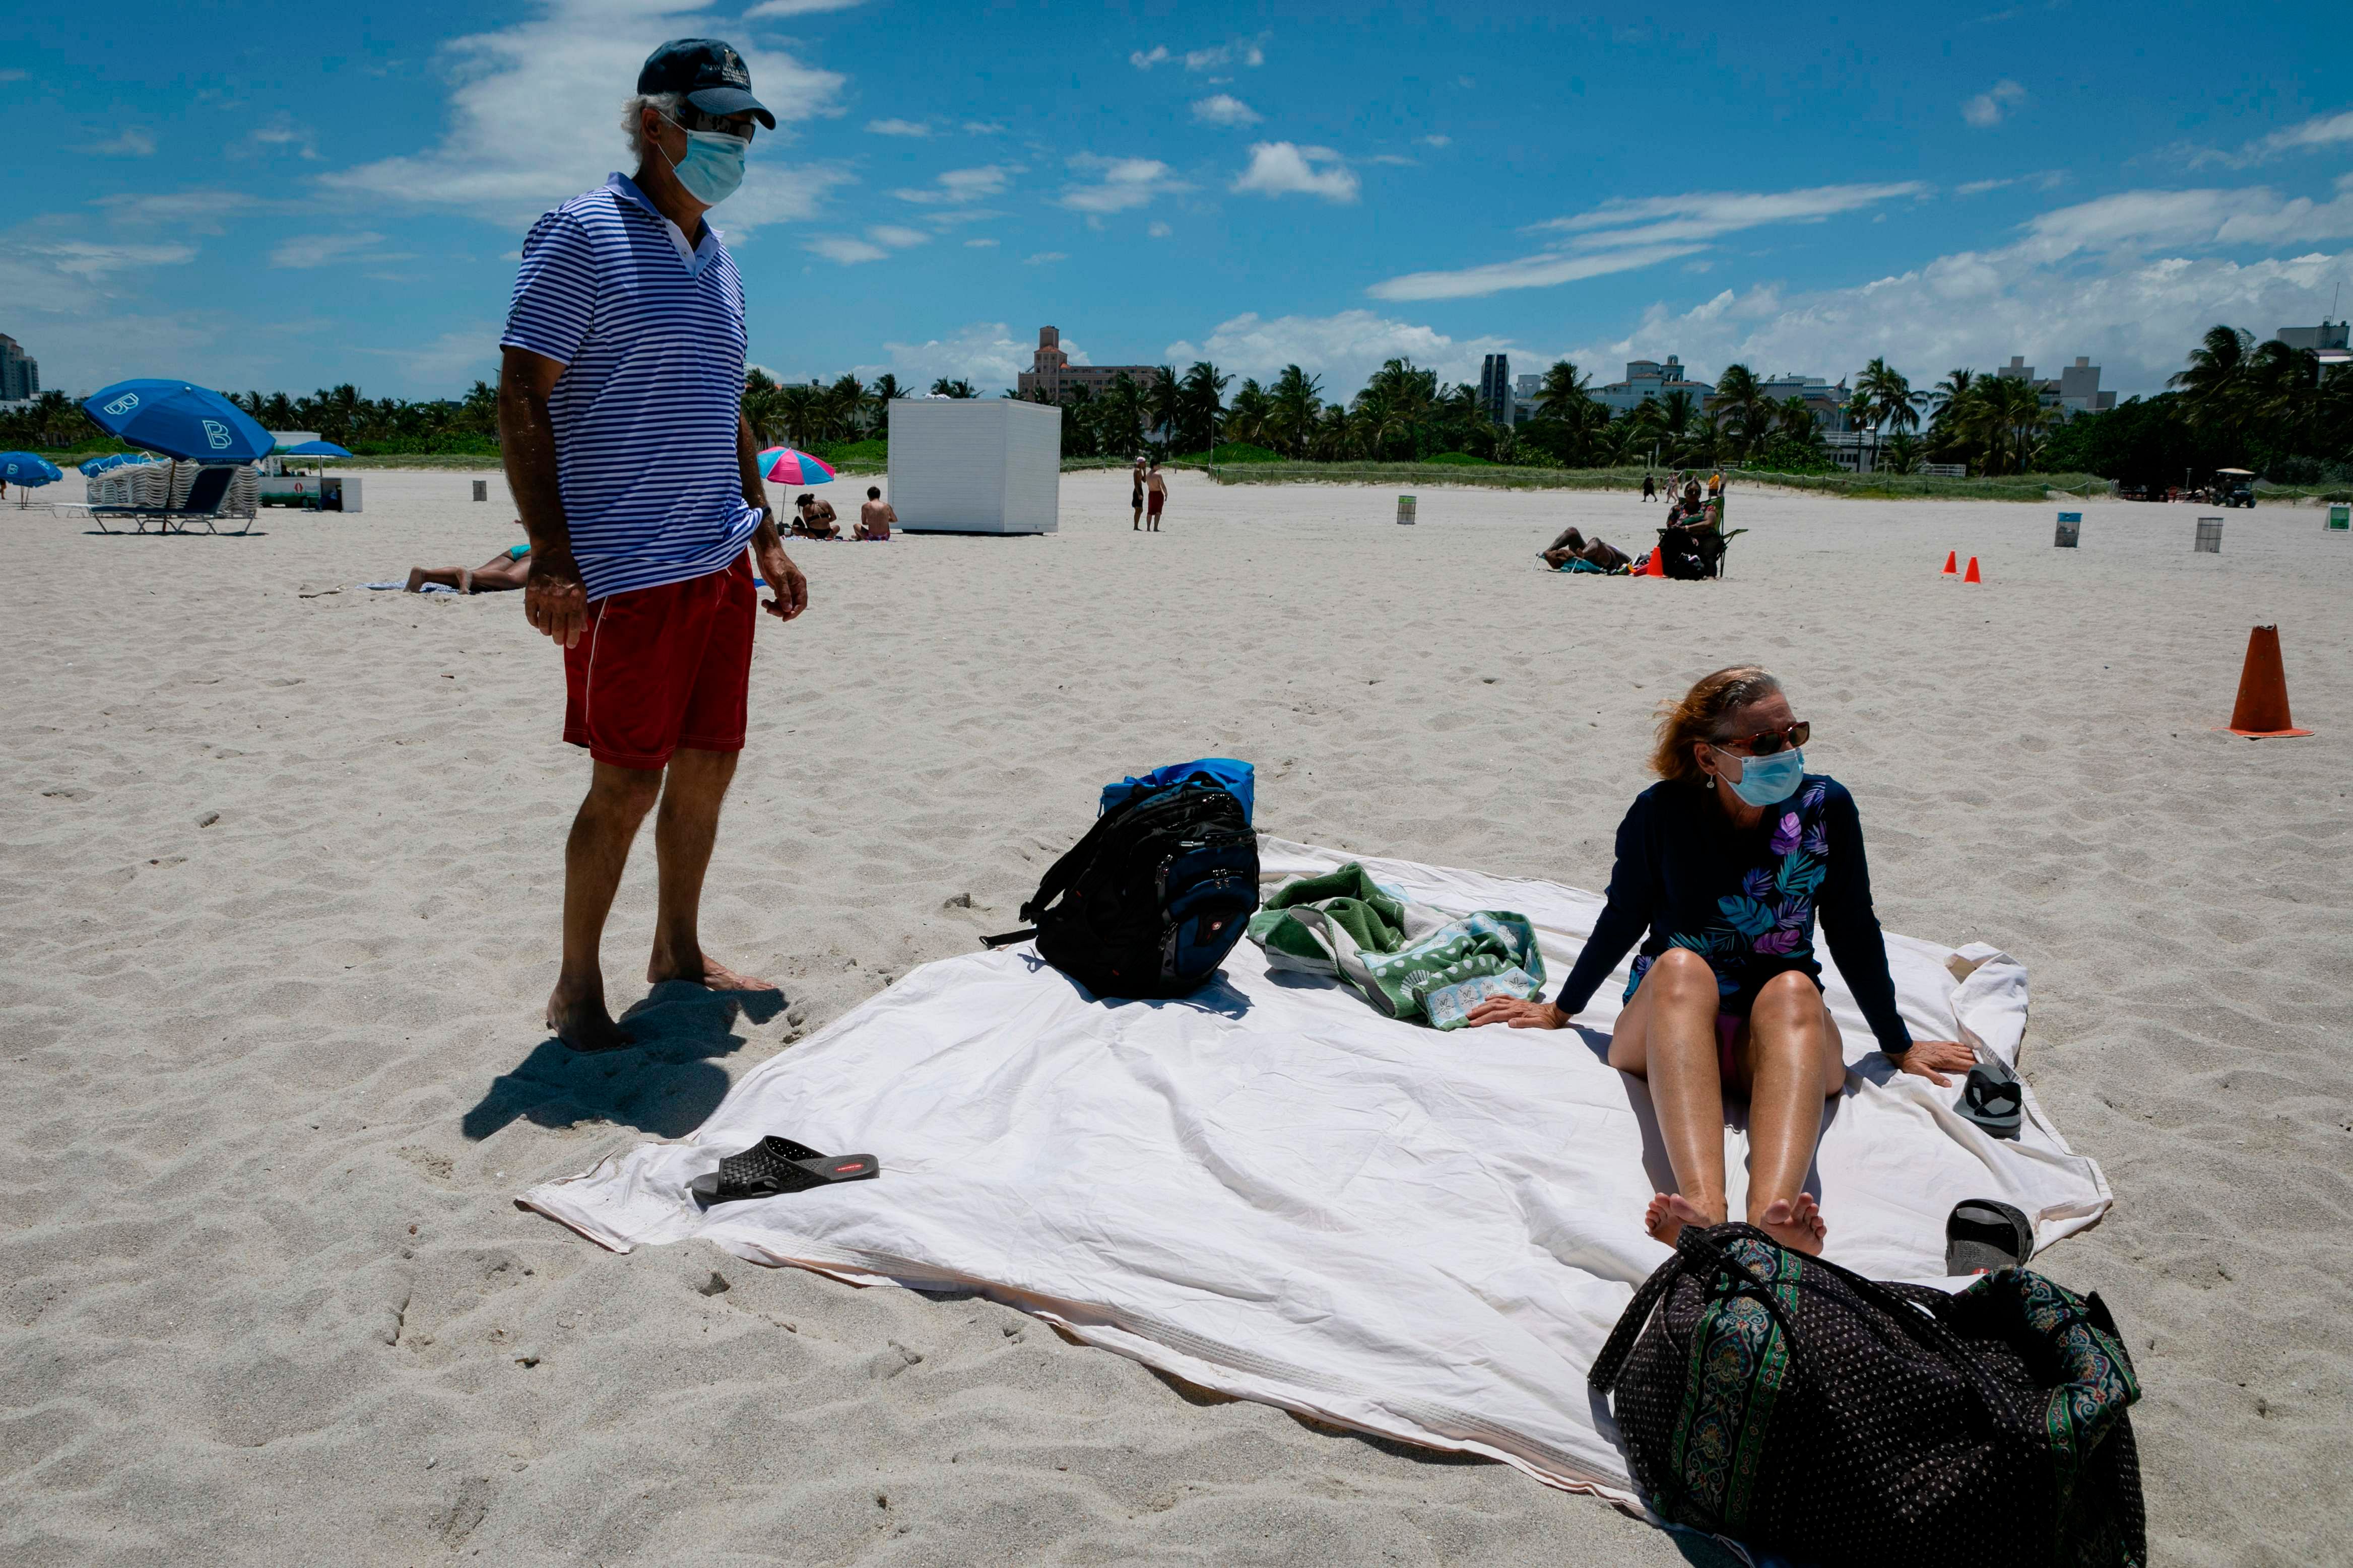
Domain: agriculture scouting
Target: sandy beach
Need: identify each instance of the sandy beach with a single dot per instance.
(283, 862)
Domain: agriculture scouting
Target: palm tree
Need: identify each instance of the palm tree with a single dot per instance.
(1742, 407)
(1200, 405)
(1902, 455)
(1251, 417)
(2216, 375)
(1119, 416)
(886, 389)
(1953, 389)
(1396, 405)
(1886, 400)
(958, 389)
(1297, 396)
(1162, 403)
(1566, 411)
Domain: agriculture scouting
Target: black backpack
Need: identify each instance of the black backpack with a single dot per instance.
(1152, 899)
(1801, 1408)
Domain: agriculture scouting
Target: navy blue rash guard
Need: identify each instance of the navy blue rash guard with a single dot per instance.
(1743, 898)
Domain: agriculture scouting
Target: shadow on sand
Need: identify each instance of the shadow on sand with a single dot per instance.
(665, 1084)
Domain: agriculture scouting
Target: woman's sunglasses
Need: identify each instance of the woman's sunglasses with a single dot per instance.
(1765, 742)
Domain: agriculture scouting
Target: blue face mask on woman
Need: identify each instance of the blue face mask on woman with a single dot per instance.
(1767, 780)
(713, 165)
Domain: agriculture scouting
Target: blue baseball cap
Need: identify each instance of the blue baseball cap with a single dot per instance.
(711, 75)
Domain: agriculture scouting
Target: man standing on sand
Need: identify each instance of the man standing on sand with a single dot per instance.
(626, 337)
(1156, 496)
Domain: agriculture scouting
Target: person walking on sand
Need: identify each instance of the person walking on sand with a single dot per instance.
(626, 336)
(875, 517)
(1650, 488)
(1155, 487)
(1725, 864)
(1135, 495)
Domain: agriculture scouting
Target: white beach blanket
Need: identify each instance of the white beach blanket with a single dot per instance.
(1269, 1190)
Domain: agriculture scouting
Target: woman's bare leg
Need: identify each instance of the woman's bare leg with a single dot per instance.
(448, 576)
(1666, 1036)
(1789, 1053)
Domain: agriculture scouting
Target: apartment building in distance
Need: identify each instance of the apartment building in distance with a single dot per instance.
(2074, 390)
(1495, 399)
(2328, 340)
(20, 372)
(1052, 372)
(1648, 379)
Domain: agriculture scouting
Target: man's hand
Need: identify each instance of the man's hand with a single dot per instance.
(1926, 1056)
(1518, 1014)
(785, 580)
(555, 600)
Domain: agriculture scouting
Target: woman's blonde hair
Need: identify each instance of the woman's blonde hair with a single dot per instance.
(1701, 714)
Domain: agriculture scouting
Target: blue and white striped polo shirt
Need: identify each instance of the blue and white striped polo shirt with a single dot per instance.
(651, 338)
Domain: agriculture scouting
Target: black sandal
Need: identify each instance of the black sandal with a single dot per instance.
(1994, 1099)
(777, 1165)
(1981, 1235)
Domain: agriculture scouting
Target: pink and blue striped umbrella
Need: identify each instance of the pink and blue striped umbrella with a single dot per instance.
(791, 466)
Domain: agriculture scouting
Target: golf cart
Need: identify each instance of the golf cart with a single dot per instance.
(2235, 487)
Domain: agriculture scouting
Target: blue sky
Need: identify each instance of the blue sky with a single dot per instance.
(283, 196)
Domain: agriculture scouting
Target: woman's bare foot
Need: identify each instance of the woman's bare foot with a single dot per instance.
(417, 579)
(578, 1018)
(1669, 1211)
(702, 970)
(1795, 1223)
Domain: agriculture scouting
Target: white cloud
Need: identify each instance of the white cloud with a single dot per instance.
(1541, 271)
(280, 135)
(896, 237)
(1120, 183)
(1395, 161)
(960, 185)
(89, 258)
(844, 248)
(2321, 131)
(1628, 233)
(1979, 188)
(1434, 141)
(1043, 257)
(2136, 221)
(1344, 349)
(450, 358)
(980, 244)
(1283, 168)
(1988, 107)
(1144, 60)
(198, 211)
(133, 142)
(898, 127)
(535, 117)
(984, 353)
(309, 250)
(1705, 214)
(1224, 109)
(795, 8)
(1250, 53)
(1158, 230)
(984, 128)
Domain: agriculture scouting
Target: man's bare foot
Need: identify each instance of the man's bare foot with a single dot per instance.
(703, 970)
(1795, 1223)
(580, 1020)
(1669, 1213)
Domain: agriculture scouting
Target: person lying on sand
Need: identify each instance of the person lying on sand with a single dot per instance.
(1571, 544)
(814, 519)
(1726, 861)
(501, 572)
(875, 517)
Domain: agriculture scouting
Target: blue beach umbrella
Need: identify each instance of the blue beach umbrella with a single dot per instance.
(28, 469)
(316, 449)
(179, 420)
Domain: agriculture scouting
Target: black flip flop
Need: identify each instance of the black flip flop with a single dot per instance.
(1994, 1099)
(1981, 1235)
(776, 1165)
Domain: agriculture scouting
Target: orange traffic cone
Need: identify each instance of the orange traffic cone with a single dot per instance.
(1658, 566)
(2261, 713)
(1971, 575)
(1952, 564)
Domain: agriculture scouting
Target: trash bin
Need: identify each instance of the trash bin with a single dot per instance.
(1404, 509)
(482, 489)
(2209, 536)
(2071, 530)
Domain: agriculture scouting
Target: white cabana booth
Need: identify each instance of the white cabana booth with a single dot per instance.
(974, 466)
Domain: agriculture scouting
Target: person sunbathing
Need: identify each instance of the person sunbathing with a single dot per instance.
(875, 517)
(1726, 862)
(501, 572)
(815, 517)
(1573, 545)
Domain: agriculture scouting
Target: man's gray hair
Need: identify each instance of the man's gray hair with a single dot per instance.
(668, 105)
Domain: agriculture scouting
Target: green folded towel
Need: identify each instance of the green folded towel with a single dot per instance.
(1407, 960)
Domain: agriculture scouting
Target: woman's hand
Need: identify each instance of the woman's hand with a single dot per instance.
(1926, 1056)
(1519, 1015)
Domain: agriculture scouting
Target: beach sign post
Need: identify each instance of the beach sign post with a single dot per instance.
(2340, 520)
(2071, 529)
(2209, 537)
(1404, 509)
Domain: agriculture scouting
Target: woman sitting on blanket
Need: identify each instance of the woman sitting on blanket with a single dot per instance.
(1725, 862)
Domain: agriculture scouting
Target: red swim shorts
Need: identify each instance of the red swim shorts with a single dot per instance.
(663, 668)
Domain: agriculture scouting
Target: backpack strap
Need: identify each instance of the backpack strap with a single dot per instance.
(1064, 871)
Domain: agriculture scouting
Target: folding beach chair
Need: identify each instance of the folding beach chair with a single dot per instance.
(206, 494)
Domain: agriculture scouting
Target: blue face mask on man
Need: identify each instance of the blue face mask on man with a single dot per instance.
(713, 165)
(1767, 780)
